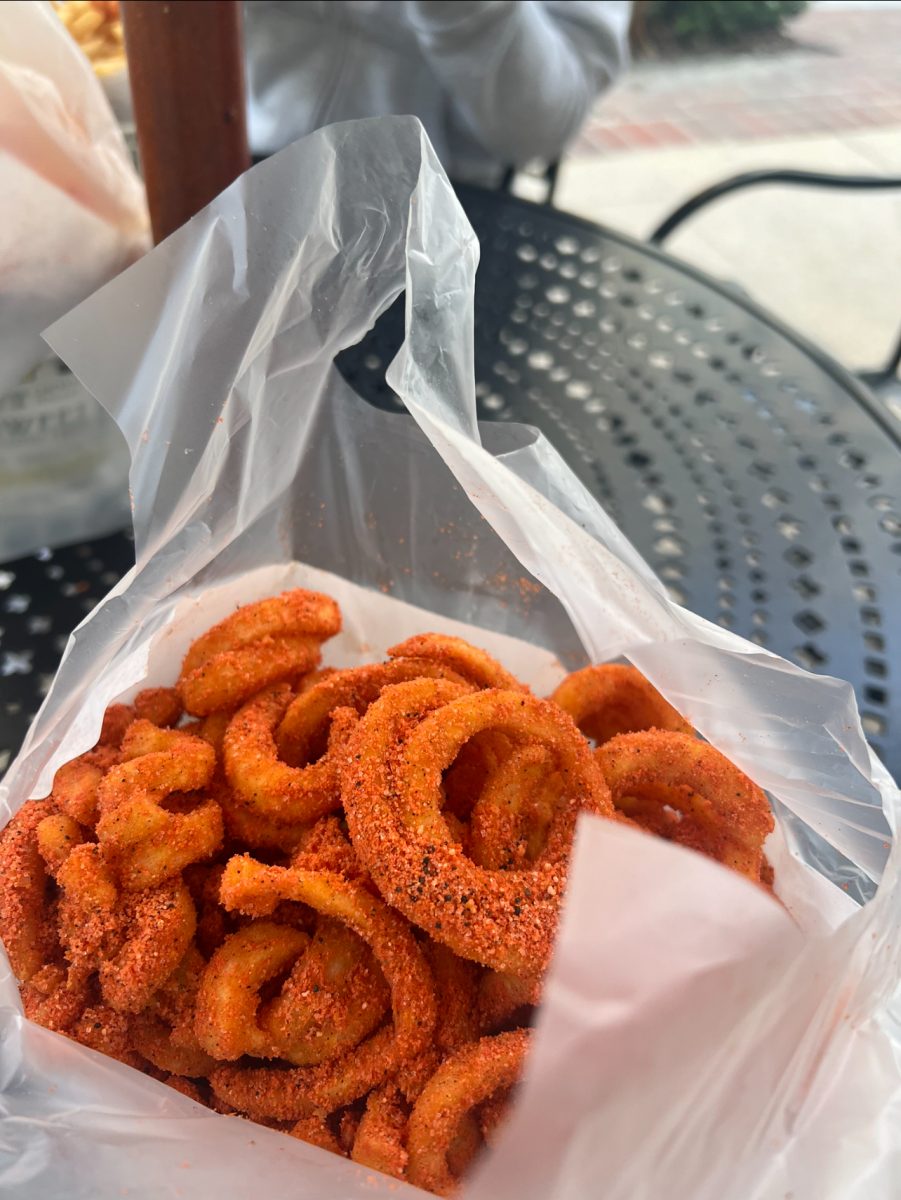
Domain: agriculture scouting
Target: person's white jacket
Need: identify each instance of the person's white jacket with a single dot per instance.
(495, 82)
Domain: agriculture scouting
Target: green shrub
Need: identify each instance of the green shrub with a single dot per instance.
(689, 22)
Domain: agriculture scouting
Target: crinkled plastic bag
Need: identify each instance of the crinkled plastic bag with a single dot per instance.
(697, 1039)
(72, 214)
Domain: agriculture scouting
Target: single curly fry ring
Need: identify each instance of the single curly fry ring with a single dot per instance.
(334, 997)
(75, 784)
(462, 1082)
(476, 666)
(260, 644)
(229, 995)
(379, 1140)
(614, 698)
(152, 1038)
(147, 844)
(392, 799)
(511, 818)
(288, 796)
(715, 807)
(302, 732)
(28, 934)
(160, 923)
(252, 888)
(297, 612)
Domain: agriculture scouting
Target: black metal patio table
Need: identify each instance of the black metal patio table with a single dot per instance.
(759, 479)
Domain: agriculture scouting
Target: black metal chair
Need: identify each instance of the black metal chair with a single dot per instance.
(883, 381)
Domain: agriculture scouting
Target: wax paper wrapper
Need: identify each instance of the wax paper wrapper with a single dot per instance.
(698, 1039)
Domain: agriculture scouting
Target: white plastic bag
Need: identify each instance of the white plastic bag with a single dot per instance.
(72, 214)
(698, 1040)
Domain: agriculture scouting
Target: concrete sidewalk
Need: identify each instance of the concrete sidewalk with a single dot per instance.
(827, 262)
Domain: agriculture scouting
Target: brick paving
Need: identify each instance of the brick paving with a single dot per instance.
(843, 73)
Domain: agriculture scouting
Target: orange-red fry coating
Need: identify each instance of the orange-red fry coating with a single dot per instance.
(228, 1000)
(245, 824)
(316, 1131)
(511, 818)
(465, 779)
(187, 1087)
(456, 986)
(152, 1038)
(614, 698)
(685, 789)
(303, 729)
(252, 888)
(379, 1142)
(476, 666)
(259, 778)
(460, 1084)
(392, 798)
(55, 998)
(57, 836)
(159, 705)
(493, 1113)
(145, 843)
(502, 995)
(231, 678)
(116, 720)
(75, 784)
(28, 933)
(89, 921)
(334, 997)
(326, 847)
(297, 612)
(212, 728)
(433, 788)
(105, 1030)
(160, 923)
(466, 1144)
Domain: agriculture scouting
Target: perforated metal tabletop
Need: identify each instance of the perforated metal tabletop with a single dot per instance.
(760, 480)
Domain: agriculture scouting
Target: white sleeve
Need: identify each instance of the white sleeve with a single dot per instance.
(523, 73)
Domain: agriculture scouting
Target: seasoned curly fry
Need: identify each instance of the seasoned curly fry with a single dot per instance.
(91, 926)
(303, 729)
(75, 784)
(502, 995)
(315, 1131)
(260, 644)
(229, 997)
(265, 784)
(298, 612)
(161, 923)
(510, 820)
(459, 656)
(160, 705)
(146, 843)
(57, 837)
(379, 1142)
(28, 935)
(614, 698)
(334, 998)
(234, 676)
(255, 889)
(684, 789)
(391, 793)
(459, 1085)
(116, 721)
